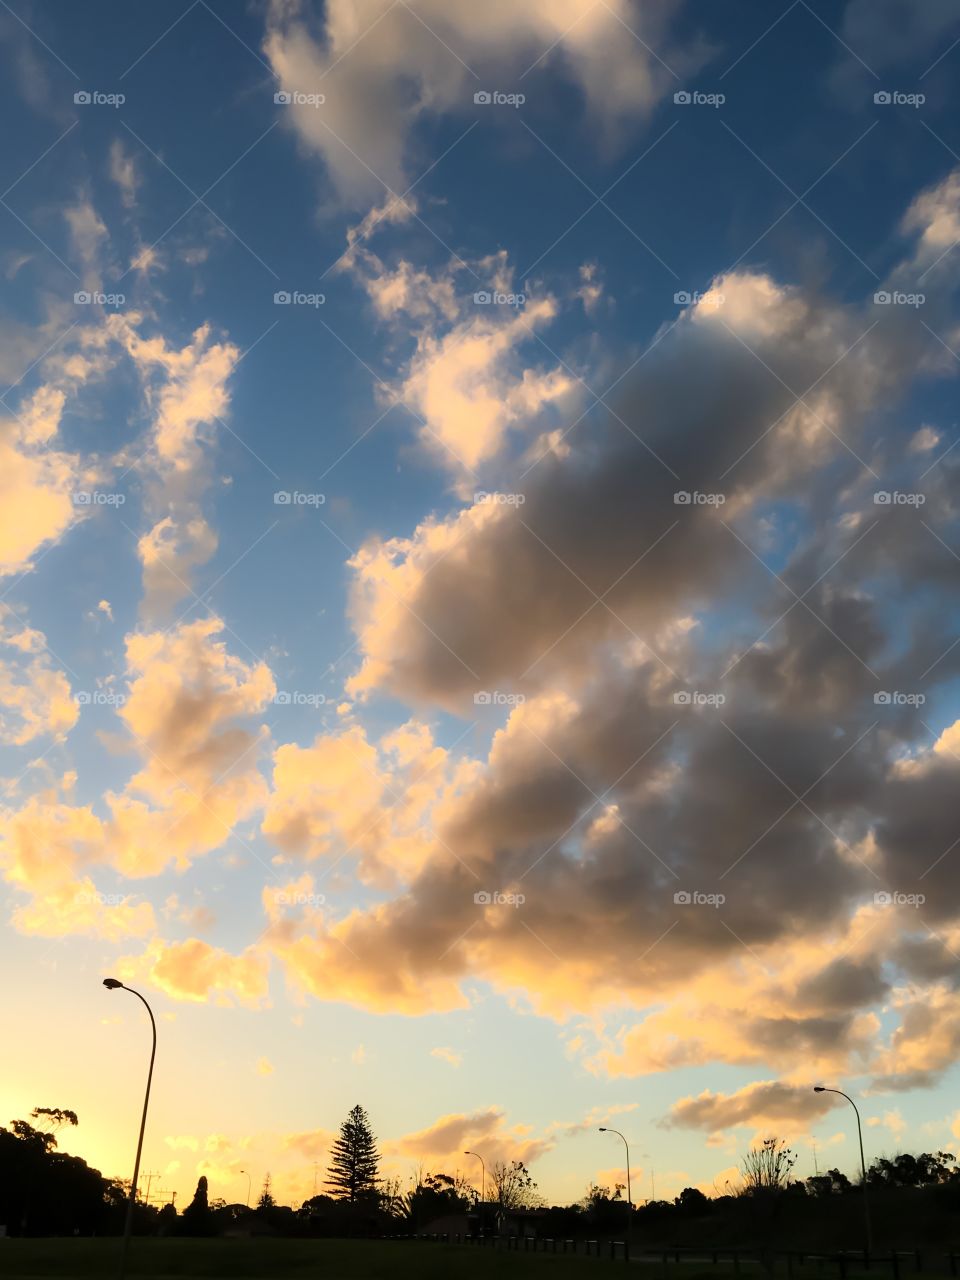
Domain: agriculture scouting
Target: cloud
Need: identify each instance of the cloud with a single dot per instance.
(37, 481)
(382, 69)
(709, 858)
(450, 1135)
(468, 382)
(195, 971)
(200, 776)
(450, 1056)
(374, 800)
(35, 697)
(186, 390)
(123, 171)
(772, 1104)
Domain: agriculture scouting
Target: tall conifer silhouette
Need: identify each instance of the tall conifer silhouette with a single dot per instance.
(354, 1159)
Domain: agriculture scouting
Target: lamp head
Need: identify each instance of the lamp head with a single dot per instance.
(602, 1130)
(818, 1088)
(112, 983)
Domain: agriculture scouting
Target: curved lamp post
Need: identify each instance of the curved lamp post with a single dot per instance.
(819, 1088)
(629, 1193)
(483, 1183)
(112, 984)
(248, 1185)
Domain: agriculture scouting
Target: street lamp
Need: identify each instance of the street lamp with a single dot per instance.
(112, 984)
(629, 1193)
(483, 1183)
(248, 1185)
(819, 1088)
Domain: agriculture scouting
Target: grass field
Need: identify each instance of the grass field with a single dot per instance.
(263, 1259)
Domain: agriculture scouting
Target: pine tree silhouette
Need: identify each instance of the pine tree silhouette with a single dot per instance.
(354, 1159)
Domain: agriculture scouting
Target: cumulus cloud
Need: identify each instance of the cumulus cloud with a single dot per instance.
(194, 970)
(35, 696)
(200, 775)
(186, 390)
(783, 1108)
(37, 480)
(449, 1136)
(732, 866)
(383, 68)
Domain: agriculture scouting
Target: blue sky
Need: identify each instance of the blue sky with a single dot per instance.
(243, 762)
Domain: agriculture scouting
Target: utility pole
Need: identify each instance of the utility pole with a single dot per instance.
(149, 1177)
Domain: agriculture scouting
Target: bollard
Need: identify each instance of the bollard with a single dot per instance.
(895, 1264)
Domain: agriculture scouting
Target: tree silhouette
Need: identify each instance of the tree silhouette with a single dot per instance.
(515, 1188)
(266, 1200)
(354, 1160)
(197, 1220)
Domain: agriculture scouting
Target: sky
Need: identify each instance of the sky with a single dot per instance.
(479, 582)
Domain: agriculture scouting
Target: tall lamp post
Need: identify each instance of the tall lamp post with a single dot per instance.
(629, 1192)
(113, 984)
(819, 1088)
(483, 1183)
(248, 1185)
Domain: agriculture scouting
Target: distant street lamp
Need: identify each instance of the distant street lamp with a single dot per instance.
(112, 984)
(483, 1183)
(248, 1185)
(819, 1088)
(629, 1192)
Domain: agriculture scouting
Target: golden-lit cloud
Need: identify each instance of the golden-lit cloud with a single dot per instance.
(200, 775)
(35, 696)
(195, 971)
